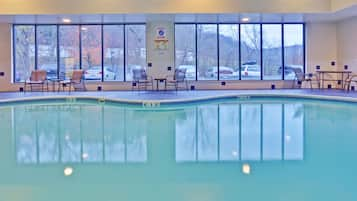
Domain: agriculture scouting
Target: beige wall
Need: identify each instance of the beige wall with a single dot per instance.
(321, 46)
(321, 49)
(341, 4)
(161, 6)
(347, 39)
(5, 57)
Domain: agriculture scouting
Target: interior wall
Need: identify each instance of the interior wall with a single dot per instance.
(347, 38)
(341, 4)
(19, 7)
(321, 46)
(5, 57)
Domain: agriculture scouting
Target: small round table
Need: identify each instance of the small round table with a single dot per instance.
(159, 80)
(55, 81)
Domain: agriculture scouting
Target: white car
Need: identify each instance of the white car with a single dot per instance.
(250, 71)
(95, 73)
(190, 71)
(224, 72)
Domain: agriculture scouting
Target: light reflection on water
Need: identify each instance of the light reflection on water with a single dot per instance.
(84, 133)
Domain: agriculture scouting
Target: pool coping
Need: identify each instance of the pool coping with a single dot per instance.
(158, 102)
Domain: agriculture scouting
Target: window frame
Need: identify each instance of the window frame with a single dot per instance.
(13, 28)
(239, 46)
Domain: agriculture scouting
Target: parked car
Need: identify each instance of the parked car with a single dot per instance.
(224, 72)
(129, 71)
(95, 73)
(190, 71)
(289, 71)
(250, 71)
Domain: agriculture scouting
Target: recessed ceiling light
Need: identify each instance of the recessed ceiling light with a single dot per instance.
(66, 20)
(245, 19)
(84, 28)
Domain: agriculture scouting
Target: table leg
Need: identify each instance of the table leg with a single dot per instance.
(157, 85)
(342, 80)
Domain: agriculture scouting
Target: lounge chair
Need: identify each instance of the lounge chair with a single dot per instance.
(38, 78)
(76, 81)
(349, 80)
(301, 77)
(179, 78)
(141, 80)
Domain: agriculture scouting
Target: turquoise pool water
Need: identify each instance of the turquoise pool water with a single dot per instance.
(223, 150)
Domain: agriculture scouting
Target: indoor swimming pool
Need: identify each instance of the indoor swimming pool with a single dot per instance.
(219, 150)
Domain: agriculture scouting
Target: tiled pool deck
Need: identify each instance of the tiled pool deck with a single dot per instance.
(173, 96)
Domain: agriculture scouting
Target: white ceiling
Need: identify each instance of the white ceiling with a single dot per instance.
(132, 18)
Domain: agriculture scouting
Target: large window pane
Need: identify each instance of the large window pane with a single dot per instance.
(24, 51)
(185, 49)
(207, 52)
(113, 36)
(293, 48)
(135, 49)
(250, 55)
(272, 52)
(229, 52)
(92, 53)
(69, 49)
(47, 49)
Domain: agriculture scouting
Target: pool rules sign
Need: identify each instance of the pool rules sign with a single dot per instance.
(161, 40)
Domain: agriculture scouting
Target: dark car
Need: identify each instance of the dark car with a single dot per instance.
(289, 69)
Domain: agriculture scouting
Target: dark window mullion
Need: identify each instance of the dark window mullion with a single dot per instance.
(303, 46)
(102, 51)
(196, 42)
(218, 63)
(58, 51)
(261, 52)
(36, 49)
(282, 53)
(80, 46)
(239, 52)
(14, 52)
(124, 51)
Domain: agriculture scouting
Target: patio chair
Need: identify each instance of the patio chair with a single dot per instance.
(348, 82)
(38, 78)
(141, 80)
(76, 81)
(179, 78)
(301, 77)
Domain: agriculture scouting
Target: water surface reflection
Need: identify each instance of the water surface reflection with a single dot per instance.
(232, 132)
(81, 133)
